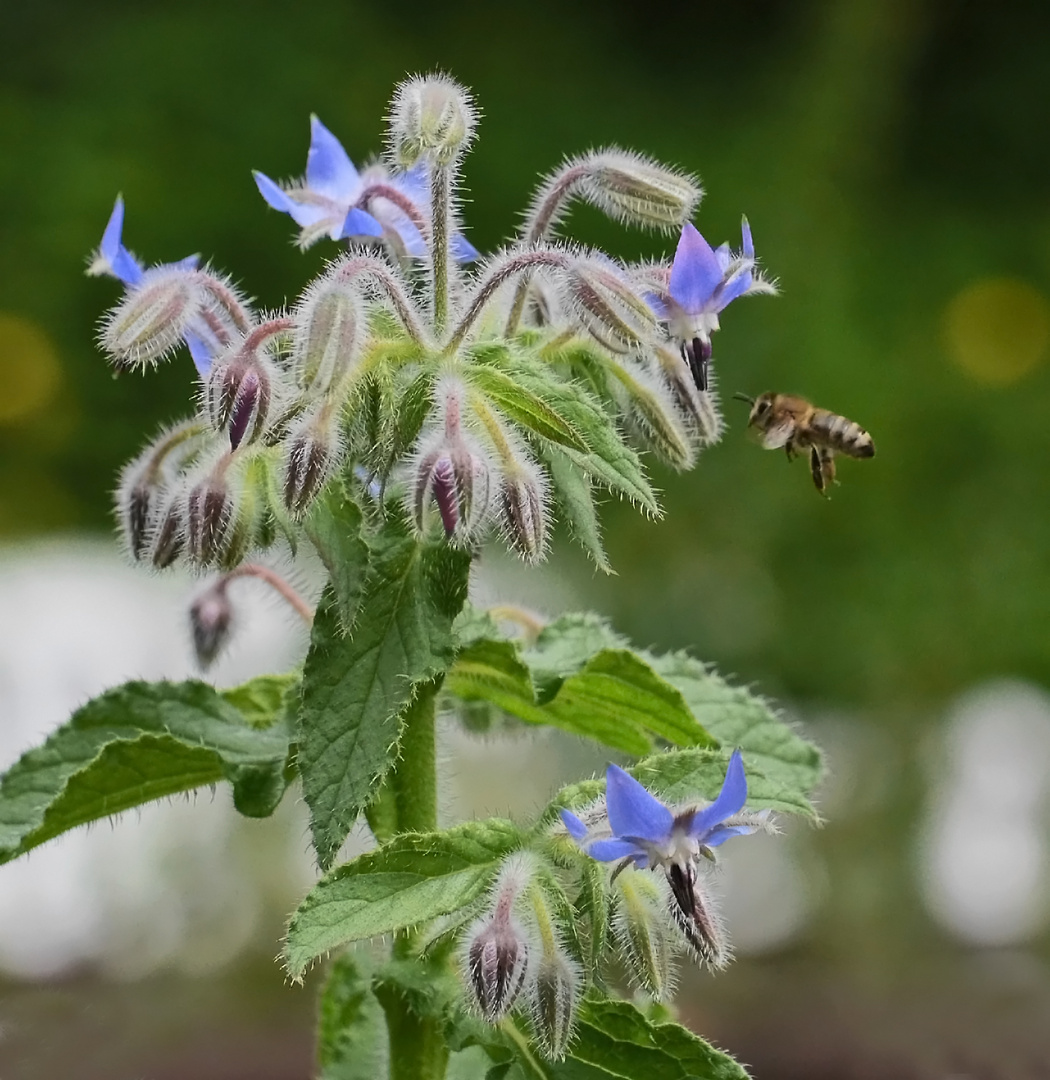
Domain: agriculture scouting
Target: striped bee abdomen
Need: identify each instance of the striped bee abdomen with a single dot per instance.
(842, 435)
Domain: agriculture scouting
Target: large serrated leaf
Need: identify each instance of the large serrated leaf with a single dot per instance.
(334, 528)
(736, 717)
(573, 492)
(352, 1035)
(139, 742)
(526, 407)
(356, 688)
(411, 880)
(681, 776)
(615, 1040)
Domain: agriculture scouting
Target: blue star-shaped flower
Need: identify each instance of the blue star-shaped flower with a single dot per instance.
(704, 281)
(640, 829)
(113, 259)
(325, 202)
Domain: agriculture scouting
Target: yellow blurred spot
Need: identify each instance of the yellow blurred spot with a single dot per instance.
(30, 372)
(998, 329)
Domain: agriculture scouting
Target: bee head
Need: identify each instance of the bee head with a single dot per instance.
(761, 408)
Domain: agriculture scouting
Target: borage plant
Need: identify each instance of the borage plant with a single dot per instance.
(404, 409)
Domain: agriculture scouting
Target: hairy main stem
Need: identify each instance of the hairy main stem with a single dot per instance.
(369, 266)
(418, 1050)
(440, 198)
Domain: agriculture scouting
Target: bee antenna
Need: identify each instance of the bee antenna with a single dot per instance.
(744, 397)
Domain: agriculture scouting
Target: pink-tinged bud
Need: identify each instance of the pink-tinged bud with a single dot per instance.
(431, 117)
(327, 338)
(695, 916)
(607, 305)
(211, 616)
(209, 514)
(523, 507)
(553, 1000)
(443, 486)
(497, 950)
(240, 391)
(147, 325)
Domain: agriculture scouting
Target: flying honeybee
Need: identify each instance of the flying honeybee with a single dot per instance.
(793, 423)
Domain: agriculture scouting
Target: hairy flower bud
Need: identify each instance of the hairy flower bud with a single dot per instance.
(700, 406)
(523, 506)
(553, 999)
(209, 514)
(313, 452)
(211, 616)
(148, 324)
(641, 928)
(432, 117)
(240, 390)
(696, 917)
(607, 305)
(496, 956)
(145, 480)
(327, 335)
(633, 188)
(169, 539)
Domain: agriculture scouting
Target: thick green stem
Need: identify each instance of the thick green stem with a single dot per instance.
(418, 1050)
(414, 780)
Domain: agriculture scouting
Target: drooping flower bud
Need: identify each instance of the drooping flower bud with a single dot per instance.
(169, 538)
(313, 451)
(209, 514)
(240, 391)
(145, 480)
(701, 407)
(148, 324)
(431, 117)
(211, 616)
(642, 931)
(696, 917)
(649, 405)
(327, 335)
(555, 985)
(607, 305)
(523, 507)
(450, 468)
(496, 957)
(630, 187)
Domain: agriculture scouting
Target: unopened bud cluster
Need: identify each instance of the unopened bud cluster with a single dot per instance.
(450, 388)
(514, 956)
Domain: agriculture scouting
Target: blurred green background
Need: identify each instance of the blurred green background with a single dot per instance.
(893, 157)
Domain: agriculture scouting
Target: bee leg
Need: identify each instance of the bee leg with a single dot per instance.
(789, 449)
(822, 468)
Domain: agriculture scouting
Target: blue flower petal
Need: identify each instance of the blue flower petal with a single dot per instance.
(273, 193)
(722, 833)
(610, 850)
(202, 357)
(359, 223)
(191, 262)
(730, 800)
(745, 233)
(735, 287)
(723, 256)
(632, 810)
(111, 245)
(125, 267)
(329, 170)
(463, 250)
(577, 829)
(695, 273)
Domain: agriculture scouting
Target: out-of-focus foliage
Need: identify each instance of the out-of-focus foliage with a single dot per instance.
(887, 155)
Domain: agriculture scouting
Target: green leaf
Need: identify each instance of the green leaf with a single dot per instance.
(352, 1035)
(266, 700)
(614, 1039)
(139, 742)
(677, 776)
(572, 488)
(411, 880)
(736, 717)
(334, 528)
(611, 695)
(355, 689)
(527, 406)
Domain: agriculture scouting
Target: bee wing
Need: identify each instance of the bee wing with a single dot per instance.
(778, 435)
